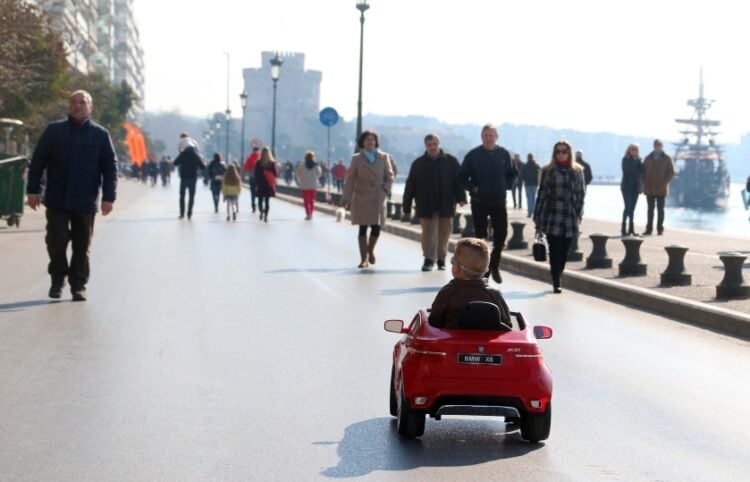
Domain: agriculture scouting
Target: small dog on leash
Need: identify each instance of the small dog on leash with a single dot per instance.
(340, 214)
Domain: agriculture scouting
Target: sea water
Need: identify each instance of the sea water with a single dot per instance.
(604, 202)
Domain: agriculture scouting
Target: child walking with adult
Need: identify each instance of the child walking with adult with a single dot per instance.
(265, 177)
(559, 207)
(231, 186)
(308, 174)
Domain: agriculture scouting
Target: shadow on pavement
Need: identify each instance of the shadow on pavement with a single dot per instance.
(343, 271)
(374, 445)
(406, 291)
(26, 304)
(521, 295)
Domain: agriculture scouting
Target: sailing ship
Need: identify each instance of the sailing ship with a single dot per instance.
(702, 179)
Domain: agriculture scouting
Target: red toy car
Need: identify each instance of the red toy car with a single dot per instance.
(479, 367)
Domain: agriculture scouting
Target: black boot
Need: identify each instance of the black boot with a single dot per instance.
(622, 229)
(631, 229)
(495, 264)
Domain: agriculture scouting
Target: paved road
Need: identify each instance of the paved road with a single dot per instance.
(250, 351)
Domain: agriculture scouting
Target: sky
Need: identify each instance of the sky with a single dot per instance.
(617, 66)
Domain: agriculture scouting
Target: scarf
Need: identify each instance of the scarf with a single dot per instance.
(563, 164)
(370, 156)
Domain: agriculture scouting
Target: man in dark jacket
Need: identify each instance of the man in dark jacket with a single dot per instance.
(487, 171)
(189, 162)
(433, 184)
(79, 159)
(588, 176)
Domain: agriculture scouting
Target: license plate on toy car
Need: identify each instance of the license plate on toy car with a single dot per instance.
(480, 359)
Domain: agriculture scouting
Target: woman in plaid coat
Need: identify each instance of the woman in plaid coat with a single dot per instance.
(559, 206)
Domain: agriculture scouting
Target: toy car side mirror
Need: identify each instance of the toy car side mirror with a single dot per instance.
(394, 326)
(542, 332)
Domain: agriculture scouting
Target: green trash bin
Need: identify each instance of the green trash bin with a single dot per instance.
(12, 188)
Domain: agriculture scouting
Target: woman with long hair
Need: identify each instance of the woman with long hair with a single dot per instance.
(559, 206)
(308, 177)
(368, 183)
(265, 177)
(231, 186)
(630, 186)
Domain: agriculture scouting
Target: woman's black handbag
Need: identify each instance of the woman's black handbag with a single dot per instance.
(539, 249)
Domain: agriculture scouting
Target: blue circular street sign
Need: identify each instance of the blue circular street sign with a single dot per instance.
(329, 116)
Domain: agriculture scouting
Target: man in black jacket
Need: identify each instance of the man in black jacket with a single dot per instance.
(433, 184)
(79, 159)
(189, 162)
(487, 172)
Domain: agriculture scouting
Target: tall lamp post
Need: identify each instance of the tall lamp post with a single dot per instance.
(362, 6)
(243, 103)
(276, 62)
(229, 116)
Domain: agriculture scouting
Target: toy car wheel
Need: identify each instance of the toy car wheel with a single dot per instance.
(393, 402)
(536, 426)
(410, 422)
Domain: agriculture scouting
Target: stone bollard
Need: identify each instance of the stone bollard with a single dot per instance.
(574, 254)
(457, 223)
(516, 241)
(675, 274)
(396, 211)
(468, 231)
(733, 285)
(632, 265)
(598, 257)
(389, 210)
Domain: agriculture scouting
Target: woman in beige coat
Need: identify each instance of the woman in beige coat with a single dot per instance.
(368, 182)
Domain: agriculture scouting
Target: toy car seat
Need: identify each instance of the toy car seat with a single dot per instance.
(480, 315)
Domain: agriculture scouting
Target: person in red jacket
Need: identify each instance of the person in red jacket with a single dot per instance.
(249, 168)
(339, 175)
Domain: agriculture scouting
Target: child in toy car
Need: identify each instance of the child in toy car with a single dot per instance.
(469, 263)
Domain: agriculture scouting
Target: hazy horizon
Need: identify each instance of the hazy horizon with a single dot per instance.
(625, 68)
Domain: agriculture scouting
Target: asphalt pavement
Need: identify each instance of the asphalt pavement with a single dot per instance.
(214, 350)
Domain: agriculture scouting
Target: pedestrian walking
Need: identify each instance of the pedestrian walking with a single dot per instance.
(518, 184)
(249, 168)
(288, 172)
(153, 169)
(433, 184)
(231, 187)
(487, 172)
(588, 175)
(658, 171)
(368, 182)
(530, 174)
(308, 177)
(189, 161)
(79, 159)
(630, 186)
(265, 175)
(339, 174)
(216, 171)
(165, 170)
(559, 207)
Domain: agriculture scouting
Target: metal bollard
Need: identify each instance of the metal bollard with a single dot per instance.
(516, 241)
(396, 211)
(389, 210)
(574, 254)
(632, 265)
(468, 231)
(457, 223)
(406, 217)
(415, 218)
(598, 257)
(675, 274)
(733, 285)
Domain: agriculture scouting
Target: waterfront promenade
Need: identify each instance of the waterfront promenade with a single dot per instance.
(213, 350)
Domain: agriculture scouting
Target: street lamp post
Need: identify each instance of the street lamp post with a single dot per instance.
(226, 150)
(362, 6)
(276, 62)
(218, 135)
(243, 103)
